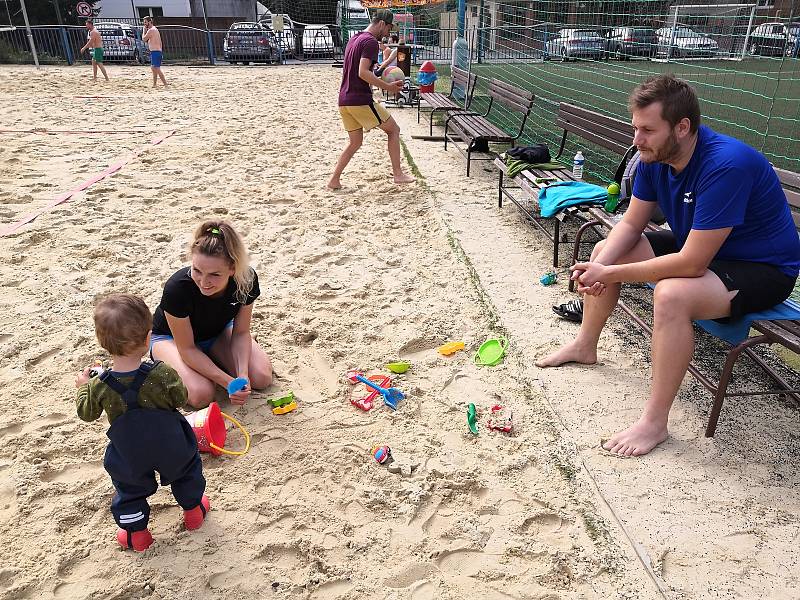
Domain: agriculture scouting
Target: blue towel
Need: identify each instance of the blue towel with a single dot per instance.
(737, 331)
(558, 196)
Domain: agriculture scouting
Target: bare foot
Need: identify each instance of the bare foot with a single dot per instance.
(638, 439)
(571, 353)
(404, 178)
(333, 185)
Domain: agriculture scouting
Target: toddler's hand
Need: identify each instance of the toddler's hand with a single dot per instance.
(82, 378)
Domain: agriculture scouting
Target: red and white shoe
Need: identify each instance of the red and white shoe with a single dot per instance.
(194, 518)
(138, 540)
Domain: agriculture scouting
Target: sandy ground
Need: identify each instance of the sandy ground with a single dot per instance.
(351, 279)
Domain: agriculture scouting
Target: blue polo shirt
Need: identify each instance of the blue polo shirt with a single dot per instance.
(726, 184)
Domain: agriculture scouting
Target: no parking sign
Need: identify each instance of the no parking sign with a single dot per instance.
(83, 9)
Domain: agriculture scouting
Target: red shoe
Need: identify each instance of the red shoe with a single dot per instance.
(138, 540)
(194, 518)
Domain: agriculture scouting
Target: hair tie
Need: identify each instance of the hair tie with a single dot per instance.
(214, 231)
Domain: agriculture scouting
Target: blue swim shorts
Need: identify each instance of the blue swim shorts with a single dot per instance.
(204, 345)
(155, 58)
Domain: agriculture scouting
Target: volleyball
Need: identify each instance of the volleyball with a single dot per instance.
(392, 74)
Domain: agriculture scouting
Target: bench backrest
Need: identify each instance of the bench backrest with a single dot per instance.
(461, 79)
(790, 181)
(607, 132)
(511, 97)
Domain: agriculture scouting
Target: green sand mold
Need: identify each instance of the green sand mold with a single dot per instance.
(282, 401)
(491, 352)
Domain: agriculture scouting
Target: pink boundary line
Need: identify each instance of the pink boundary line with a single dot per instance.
(71, 131)
(9, 229)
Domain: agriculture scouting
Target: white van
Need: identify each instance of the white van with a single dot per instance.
(357, 16)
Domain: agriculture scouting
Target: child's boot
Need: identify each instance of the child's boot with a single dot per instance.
(138, 540)
(194, 518)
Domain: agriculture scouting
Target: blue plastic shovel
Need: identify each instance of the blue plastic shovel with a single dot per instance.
(237, 385)
(391, 396)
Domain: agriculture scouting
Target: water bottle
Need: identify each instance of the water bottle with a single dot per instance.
(577, 166)
(612, 199)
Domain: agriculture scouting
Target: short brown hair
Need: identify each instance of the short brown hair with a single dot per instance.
(147, 18)
(678, 99)
(383, 15)
(122, 322)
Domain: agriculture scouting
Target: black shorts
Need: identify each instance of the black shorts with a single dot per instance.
(761, 286)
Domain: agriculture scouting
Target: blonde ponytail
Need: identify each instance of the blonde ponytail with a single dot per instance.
(219, 238)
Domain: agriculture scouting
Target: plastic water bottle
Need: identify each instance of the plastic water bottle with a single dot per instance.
(577, 166)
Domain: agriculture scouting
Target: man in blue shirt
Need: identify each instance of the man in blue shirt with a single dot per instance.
(732, 249)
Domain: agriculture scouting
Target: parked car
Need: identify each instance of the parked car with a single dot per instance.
(773, 39)
(286, 37)
(318, 42)
(624, 42)
(250, 42)
(122, 42)
(685, 42)
(575, 43)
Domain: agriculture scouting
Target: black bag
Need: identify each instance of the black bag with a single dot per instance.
(538, 153)
(625, 176)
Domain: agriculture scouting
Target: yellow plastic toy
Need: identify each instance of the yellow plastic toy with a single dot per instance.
(450, 348)
(286, 408)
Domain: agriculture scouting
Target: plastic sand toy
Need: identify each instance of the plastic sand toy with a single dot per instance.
(491, 352)
(285, 408)
(501, 419)
(548, 278)
(382, 454)
(391, 396)
(237, 385)
(283, 400)
(399, 367)
(209, 429)
(367, 402)
(450, 348)
(472, 418)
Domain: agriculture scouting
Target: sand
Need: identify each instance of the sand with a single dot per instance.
(351, 279)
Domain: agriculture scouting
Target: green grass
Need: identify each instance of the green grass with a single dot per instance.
(755, 100)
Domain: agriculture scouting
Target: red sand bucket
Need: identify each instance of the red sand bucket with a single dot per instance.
(209, 427)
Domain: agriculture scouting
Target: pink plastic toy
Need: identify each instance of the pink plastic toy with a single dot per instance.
(501, 419)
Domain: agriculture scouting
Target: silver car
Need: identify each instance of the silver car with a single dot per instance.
(575, 43)
(318, 42)
(681, 42)
(122, 42)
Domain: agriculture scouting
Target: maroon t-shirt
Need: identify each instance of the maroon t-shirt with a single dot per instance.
(355, 91)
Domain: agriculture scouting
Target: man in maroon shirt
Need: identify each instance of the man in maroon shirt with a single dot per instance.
(359, 111)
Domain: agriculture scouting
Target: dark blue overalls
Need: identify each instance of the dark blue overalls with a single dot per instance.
(144, 441)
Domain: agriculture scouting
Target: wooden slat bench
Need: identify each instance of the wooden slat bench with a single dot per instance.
(607, 132)
(476, 131)
(783, 332)
(462, 84)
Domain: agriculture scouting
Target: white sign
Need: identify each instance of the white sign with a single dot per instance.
(83, 9)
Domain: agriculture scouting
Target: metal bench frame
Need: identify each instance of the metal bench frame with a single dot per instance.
(438, 102)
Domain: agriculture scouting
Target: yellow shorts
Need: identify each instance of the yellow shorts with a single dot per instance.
(363, 117)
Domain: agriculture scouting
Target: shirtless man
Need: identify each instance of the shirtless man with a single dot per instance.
(94, 44)
(153, 40)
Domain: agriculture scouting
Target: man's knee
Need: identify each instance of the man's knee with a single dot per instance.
(670, 300)
(391, 128)
(597, 248)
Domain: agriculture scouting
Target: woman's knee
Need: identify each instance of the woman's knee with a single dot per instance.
(201, 392)
(261, 374)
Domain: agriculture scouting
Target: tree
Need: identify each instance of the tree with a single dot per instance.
(46, 12)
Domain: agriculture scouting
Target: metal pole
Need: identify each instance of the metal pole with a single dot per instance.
(749, 29)
(58, 12)
(30, 35)
(205, 17)
(133, 9)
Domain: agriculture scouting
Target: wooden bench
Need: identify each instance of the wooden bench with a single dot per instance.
(607, 132)
(785, 332)
(462, 85)
(477, 131)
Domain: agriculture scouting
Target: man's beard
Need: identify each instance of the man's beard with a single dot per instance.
(669, 150)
